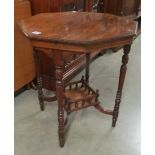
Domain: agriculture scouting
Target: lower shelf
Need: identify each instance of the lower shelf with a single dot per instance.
(79, 95)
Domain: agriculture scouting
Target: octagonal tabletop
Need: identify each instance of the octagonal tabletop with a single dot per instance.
(77, 27)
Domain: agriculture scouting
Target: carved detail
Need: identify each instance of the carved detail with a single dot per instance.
(61, 126)
(60, 98)
(60, 95)
(39, 79)
(116, 108)
(123, 70)
(40, 93)
(87, 67)
(89, 97)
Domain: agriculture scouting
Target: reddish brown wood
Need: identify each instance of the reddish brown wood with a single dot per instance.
(67, 30)
(42, 6)
(87, 67)
(88, 33)
(127, 8)
(41, 96)
(39, 79)
(112, 6)
(60, 95)
(123, 70)
(79, 95)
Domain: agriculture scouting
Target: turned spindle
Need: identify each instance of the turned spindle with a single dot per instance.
(123, 70)
(39, 79)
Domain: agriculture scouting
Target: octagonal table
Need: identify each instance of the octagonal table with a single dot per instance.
(78, 32)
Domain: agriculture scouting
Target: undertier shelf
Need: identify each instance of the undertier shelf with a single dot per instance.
(79, 95)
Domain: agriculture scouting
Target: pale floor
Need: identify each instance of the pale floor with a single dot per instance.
(90, 132)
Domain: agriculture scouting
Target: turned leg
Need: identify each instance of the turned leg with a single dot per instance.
(39, 80)
(123, 70)
(87, 67)
(60, 95)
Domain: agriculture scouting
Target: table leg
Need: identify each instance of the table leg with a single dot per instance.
(87, 67)
(39, 79)
(60, 95)
(123, 70)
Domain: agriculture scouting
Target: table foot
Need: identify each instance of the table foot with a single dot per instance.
(61, 127)
(42, 107)
(116, 109)
(114, 123)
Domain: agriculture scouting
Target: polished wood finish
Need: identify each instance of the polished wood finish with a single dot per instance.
(42, 6)
(77, 32)
(88, 33)
(60, 94)
(79, 95)
(39, 80)
(123, 70)
(24, 67)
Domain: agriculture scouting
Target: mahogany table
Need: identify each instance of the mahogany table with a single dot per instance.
(78, 32)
